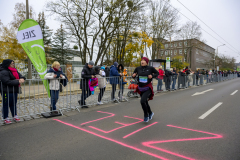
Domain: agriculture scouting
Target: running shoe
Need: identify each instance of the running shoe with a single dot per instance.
(99, 103)
(146, 119)
(151, 116)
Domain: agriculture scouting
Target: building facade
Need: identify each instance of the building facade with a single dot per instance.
(198, 54)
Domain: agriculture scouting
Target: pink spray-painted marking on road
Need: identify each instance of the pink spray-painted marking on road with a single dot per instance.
(123, 125)
(115, 141)
(139, 130)
(149, 144)
(99, 118)
(146, 144)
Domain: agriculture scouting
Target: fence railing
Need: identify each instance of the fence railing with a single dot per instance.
(30, 100)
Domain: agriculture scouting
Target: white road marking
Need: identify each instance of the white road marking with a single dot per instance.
(199, 93)
(234, 92)
(210, 111)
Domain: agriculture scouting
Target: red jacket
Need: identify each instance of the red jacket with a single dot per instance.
(161, 74)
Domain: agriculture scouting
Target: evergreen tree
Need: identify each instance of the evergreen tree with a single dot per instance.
(60, 49)
(47, 34)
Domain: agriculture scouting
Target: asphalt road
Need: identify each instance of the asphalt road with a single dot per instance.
(116, 131)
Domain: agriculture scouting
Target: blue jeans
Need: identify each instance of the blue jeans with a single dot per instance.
(9, 100)
(197, 82)
(173, 83)
(159, 85)
(54, 98)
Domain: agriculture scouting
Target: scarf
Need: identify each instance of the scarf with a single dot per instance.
(55, 69)
(14, 72)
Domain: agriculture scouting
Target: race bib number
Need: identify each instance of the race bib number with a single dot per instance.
(143, 79)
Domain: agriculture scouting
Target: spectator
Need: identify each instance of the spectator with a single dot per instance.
(197, 76)
(101, 75)
(107, 71)
(10, 88)
(145, 89)
(87, 74)
(187, 73)
(207, 74)
(168, 75)
(121, 83)
(54, 75)
(160, 78)
(114, 79)
(174, 78)
(181, 75)
(210, 76)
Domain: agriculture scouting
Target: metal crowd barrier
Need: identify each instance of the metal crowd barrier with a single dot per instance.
(32, 99)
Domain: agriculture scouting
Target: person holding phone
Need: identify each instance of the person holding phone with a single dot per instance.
(145, 89)
(87, 74)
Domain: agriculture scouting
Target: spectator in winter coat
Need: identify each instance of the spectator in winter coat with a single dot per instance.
(121, 82)
(114, 78)
(87, 74)
(181, 75)
(197, 76)
(160, 78)
(10, 87)
(101, 75)
(168, 75)
(54, 75)
(107, 71)
(174, 78)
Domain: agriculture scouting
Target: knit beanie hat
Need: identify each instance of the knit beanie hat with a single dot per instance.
(115, 64)
(146, 59)
(91, 63)
(6, 63)
(103, 67)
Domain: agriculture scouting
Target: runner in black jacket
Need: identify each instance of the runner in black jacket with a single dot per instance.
(145, 89)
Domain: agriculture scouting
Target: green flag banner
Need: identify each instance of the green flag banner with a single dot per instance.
(30, 37)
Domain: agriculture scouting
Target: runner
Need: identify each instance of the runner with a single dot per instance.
(145, 89)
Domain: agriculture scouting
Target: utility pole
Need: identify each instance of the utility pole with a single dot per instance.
(29, 76)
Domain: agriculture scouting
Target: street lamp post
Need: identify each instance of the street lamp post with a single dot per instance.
(217, 53)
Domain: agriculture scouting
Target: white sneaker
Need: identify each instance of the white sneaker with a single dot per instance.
(99, 103)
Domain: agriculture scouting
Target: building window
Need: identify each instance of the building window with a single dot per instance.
(171, 45)
(185, 43)
(185, 51)
(166, 52)
(171, 52)
(180, 44)
(184, 60)
(162, 52)
(175, 52)
(196, 51)
(175, 44)
(166, 45)
(180, 51)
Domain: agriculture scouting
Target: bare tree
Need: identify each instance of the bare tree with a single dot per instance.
(94, 23)
(163, 22)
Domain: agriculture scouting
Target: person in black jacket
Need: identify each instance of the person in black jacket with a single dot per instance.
(87, 74)
(168, 76)
(197, 76)
(145, 89)
(107, 71)
(11, 81)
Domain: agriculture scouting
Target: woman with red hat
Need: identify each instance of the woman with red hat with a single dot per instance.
(145, 89)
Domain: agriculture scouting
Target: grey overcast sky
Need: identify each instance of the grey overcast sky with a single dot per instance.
(221, 15)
